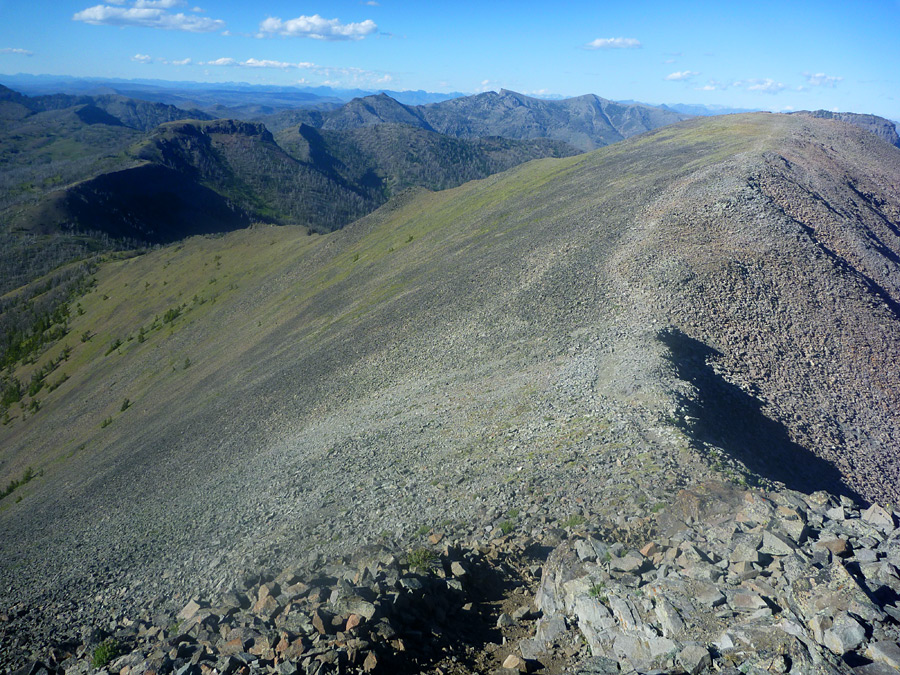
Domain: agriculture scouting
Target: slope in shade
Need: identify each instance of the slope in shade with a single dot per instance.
(148, 203)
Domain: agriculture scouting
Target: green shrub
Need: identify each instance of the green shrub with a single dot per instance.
(106, 422)
(573, 521)
(105, 652)
(17, 483)
(126, 404)
(422, 559)
(507, 526)
(171, 314)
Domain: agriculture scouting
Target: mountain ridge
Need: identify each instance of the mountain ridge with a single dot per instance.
(586, 122)
(578, 336)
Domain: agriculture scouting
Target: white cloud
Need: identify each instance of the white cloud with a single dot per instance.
(142, 58)
(713, 85)
(179, 62)
(317, 28)
(614, 43)
(334, 75)
(822, 80)
(147, 16)
(159, 4)
(372, 3)
(258, 63)
(16, 50)
(681, 75)
(767, 85)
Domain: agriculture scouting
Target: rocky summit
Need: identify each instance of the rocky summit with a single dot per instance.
(632, 411)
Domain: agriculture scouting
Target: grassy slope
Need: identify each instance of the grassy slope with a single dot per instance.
(278, 286)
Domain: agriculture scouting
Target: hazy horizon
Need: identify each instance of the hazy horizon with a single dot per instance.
(765, 56)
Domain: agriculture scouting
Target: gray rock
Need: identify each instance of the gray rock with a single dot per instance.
(625, 613)
(775, 544)
(591, 610)
(845, 634)
(505, 620)
(865, 555)
(597, 665)
(548, 629)
(694, 658)
(745, 552)
(746, 601)
(836, 513)
(885, 652)
(585, 551)
(709, 596)
(879, 517)
(669, 619)
(874, 669)
(630, 562)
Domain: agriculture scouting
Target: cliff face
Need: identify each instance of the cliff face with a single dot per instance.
(879, 126)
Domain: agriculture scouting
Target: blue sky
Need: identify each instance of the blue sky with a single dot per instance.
(769, 55)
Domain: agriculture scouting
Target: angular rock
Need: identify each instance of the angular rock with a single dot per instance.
(694, 658)
(775, 544)
(189, 610)
(845, 634)
(885, 652)
(746, 601)
(669, 619)
(505, 620)
(879, 517)
(630, 562)
(745, 552)
(837, 546)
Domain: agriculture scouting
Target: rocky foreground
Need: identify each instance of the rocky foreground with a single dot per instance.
(724, 580)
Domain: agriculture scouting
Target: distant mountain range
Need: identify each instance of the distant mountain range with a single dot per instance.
(231, 99)
(585, 122)
(89, 172)
(107, 170)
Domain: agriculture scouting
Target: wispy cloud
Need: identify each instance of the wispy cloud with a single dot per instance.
(372, 3)
(614, 43)
(157, 4)
(16, 50)
(713, 85)
(766, 85)
(822, 80)
(224, 61)
(178, 62)
(147, 14)
(142, 58)
(317, 28)
(680, 75)
(335, 75)
(258, 63)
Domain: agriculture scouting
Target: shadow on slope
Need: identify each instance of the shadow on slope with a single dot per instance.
(147, 203)
(732, 419)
